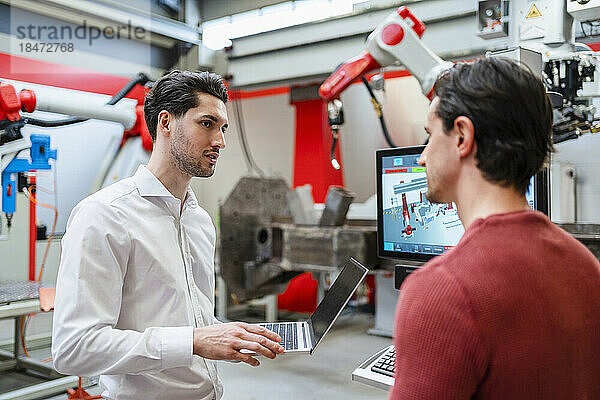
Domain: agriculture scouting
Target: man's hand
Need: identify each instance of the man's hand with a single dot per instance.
(224, 342)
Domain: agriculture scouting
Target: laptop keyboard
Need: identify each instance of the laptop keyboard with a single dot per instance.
(386, 363)
(287, 332)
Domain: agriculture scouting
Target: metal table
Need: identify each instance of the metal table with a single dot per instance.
(17, 300)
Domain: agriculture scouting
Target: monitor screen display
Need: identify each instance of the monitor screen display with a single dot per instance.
(409, 226)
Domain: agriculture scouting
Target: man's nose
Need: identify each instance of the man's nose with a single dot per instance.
(422, 157)
(219, 140)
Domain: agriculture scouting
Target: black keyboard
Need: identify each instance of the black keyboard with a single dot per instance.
(287, 332)
(386, 363)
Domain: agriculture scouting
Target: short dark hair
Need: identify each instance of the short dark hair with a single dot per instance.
(177, 92)
(510, 111)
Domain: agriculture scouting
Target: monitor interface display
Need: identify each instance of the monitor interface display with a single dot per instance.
(409, 225)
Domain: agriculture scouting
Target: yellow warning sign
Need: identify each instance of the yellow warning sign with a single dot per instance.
(534, 12)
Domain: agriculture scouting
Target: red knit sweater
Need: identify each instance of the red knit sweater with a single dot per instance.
(513, 312)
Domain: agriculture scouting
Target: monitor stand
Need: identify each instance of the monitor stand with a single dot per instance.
(400, 274)
(403, 269)
(386, 294)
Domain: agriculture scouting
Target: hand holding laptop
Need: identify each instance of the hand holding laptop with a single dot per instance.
(303, 337)
(223, 342)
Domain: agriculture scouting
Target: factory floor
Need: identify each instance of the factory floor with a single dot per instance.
(325, 374)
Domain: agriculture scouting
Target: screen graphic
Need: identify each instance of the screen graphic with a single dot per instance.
(411, 223)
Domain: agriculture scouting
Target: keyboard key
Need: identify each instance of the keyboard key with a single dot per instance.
(282, 334)
(304, 334)
(295, 342)
(289, 338)
(386, 363)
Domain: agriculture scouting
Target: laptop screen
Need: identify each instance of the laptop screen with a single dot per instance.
(336, 298)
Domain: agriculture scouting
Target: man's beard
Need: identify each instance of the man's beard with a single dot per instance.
(181, 154)
(433, 195)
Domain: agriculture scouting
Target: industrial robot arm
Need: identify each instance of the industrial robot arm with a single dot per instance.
(396, 41)
(13, 102)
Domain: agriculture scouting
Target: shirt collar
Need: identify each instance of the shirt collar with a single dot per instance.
(149, 185)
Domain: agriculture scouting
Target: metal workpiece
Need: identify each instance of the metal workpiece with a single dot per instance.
(337, 204)
(326, 247)
(261, 248)
(245, 238)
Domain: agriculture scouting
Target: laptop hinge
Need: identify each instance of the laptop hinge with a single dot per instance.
(311, 335)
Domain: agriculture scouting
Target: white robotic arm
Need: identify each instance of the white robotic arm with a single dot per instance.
(395, 41)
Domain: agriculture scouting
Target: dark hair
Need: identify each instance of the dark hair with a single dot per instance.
(510, 111)
(177, 91)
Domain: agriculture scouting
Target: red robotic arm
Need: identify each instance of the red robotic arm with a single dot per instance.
(395, 41)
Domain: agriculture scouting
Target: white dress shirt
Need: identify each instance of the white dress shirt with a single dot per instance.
(136, 276)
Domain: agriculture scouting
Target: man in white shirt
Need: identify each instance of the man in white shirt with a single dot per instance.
(135, 289)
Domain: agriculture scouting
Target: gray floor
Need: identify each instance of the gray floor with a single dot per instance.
(326, 374)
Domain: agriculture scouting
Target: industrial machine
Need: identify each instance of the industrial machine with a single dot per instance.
(395, 41)
(265, 241)
(262, 246)
(79, 107)
(568, 71)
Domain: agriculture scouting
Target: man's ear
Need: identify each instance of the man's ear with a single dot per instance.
(465, 135)
(165, 121)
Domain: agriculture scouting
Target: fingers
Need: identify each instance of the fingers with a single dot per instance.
(256, 348)
(273, 347)
(248, 359)
(259, 330)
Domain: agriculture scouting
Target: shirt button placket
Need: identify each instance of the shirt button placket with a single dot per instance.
(190, 278)
(210, 366)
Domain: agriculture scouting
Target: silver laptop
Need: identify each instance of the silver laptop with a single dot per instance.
(303, 337)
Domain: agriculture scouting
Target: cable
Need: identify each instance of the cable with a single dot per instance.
(242, 138)
(239, 117)
(140, 79)
(54, 123)
(43, 189)
(379, 112)
(51, 235)
(334, 162)
(25, 321)
(23, 330)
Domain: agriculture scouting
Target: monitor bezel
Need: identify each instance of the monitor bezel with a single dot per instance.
(540, 187)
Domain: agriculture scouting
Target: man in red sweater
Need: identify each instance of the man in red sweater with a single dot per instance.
(513, 311)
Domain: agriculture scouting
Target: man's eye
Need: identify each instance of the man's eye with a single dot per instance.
(206, 124)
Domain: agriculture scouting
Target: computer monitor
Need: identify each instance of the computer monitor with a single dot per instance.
(410, 227)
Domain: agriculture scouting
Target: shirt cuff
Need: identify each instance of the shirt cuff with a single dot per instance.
(177, 346)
